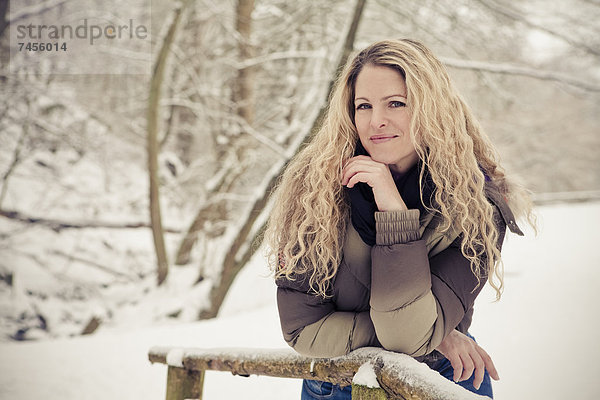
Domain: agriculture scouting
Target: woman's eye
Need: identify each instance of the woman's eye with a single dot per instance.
(395, 104)
(363, 106)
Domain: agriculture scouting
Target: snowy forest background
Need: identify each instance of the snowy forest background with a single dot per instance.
(242, 85)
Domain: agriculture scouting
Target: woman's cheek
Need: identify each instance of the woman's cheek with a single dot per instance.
(362, 126)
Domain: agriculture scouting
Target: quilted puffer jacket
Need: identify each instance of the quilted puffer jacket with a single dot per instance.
(405, 293)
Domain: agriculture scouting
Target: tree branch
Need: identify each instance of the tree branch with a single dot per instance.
(512, 14)
(57, 225)
(280, 55)
(249, 237)
(91, 263)
(509, 69)
(15, 161)
(36, 9)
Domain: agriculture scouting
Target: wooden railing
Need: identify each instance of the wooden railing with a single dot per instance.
(398, 376)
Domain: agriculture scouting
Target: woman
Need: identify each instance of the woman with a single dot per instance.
(387, 225)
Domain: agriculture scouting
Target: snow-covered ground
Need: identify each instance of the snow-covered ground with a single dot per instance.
(541, 335)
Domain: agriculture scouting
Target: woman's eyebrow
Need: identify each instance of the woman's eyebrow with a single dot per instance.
(393, 95)
(383, 98)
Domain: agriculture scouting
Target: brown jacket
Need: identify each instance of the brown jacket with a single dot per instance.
(405, 294)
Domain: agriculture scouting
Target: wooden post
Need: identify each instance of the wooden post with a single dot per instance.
(184, 384)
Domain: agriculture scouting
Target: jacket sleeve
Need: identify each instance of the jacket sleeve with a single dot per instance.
(312, 325)
(416, 301)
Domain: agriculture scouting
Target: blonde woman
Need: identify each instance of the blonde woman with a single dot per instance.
(387, 225)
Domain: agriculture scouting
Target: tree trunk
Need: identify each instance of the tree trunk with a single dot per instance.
(242, 97)
(153, 144)
(211, 212)
(243, 87)
(3, 16)
(234, 261)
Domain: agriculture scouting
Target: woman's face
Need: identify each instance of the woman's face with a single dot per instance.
(382, 118)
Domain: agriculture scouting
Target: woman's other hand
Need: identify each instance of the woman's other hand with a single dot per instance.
(466, 357)
(378, 176)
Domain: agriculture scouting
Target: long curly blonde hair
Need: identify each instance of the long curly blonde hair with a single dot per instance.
(307, 227)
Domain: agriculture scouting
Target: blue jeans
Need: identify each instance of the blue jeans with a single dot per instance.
(317, 390)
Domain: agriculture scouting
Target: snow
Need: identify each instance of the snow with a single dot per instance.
(175, 358)
(541, 335)
(417, 375)
(420, 375)
(542, 46)
(366, 376)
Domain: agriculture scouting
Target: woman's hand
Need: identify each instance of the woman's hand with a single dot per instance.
(466, 356)
(378, 177)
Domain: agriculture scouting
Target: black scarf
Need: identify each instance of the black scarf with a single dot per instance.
(362, 200)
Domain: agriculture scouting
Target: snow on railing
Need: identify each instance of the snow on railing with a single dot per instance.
(381, 374)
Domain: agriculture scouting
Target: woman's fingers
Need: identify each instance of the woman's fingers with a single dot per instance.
(378, 177)
(468, 366)
(360, 164)
(475, 361)
(358, 177)
(457, 365)
(351, 172)
(478, 370)
(467, 358)
(489, 364)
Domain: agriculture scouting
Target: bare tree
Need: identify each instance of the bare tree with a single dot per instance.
(242, 99)
(248, 236)
(153, 143)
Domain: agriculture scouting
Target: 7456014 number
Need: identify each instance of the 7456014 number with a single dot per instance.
(29, 46)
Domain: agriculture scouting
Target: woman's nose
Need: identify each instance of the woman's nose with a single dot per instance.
(378, 119)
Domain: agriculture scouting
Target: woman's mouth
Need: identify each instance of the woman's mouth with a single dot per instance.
(382, 138)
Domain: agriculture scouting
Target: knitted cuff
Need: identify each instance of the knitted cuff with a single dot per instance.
(395, 227)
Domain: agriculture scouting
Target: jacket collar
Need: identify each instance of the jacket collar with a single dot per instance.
(499, 200)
